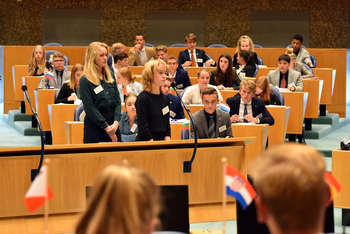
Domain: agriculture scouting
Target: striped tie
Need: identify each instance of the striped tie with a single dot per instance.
(245, 112)
(211, 127)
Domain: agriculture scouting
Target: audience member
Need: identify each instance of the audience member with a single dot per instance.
(298, 66)
(152, 106)
(284, 77)
(100, 96)
(246, 66)
(291, 190)
(247, 108)
(127, 84)
(140, 54)
(70, 90)
(128, 121)
(264, 92)
(211, 122)
(60, 75)
(120, 60)
(116, 47)
(162, 52)
(176, 110)
(225, 77)
(192, 94)
(303, 55)
(124, 200)
(37, 62)
(177, 74)
(192, 56)
(245, 43)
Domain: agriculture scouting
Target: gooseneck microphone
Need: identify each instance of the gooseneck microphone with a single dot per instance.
(188, 164)
(34, 172)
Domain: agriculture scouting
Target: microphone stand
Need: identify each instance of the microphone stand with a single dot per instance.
(34, 172)
(187, 166)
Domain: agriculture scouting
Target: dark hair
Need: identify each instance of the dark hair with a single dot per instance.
(298, 37)
(119, 56)
(229, 76)
(248, 57)
(209, 91)
(140, 34)
(284, 57)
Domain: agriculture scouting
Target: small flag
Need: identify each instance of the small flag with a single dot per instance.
(35, 196)
(223, 106)
(185, 131)
(172, 91)
(333, 184)
(48, 75)
(238, 187)
(185, 126)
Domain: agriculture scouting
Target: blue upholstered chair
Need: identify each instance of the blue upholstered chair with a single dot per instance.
(178, 45)
(308, 68)
(278, 93)
(78, 111)
(290, 46)
(217, 45)
(149, 44)
(56, 95)
(260, 61)
(51, 52)
(256, 70)
(313, 60)
(258, 46)
(53, 44)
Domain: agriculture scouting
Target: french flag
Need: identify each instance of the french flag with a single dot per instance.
(223, 106)
(238, 187)
(48, 75)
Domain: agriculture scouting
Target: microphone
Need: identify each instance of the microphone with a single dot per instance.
(34, 172)
(188, 164)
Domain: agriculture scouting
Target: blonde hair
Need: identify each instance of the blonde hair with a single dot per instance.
(124, 200)
(125, 72)
(33, 63)
(117, 47)
(202, 70)
(289, 179)
(148, 72)
(90, 71)
(245, 38)
(289, 51)
(249, 84)
(71, 82)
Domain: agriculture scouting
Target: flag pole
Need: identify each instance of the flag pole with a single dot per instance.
(224, 197)
(46, 205)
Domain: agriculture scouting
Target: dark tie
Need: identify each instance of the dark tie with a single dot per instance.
(211, 127)
(59, 80)
(193, 60)
(283, 82)
(245, 112)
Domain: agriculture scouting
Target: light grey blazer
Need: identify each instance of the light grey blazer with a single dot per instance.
(304, 57)
(222, 119)
(53, 83)
(305, 73)
(293, 77)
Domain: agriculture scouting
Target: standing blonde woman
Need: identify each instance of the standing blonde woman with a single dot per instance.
(38, 63)
(124, 200)
(100, 96)
(245, 43)
(152, 106)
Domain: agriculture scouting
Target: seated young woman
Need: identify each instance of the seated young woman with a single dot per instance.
(37, 62)
(126, 83)
(246, 66)
(225, 77)
(264, 92)
(128, 122)
(244, 43)
(298, 66)
(70, 90)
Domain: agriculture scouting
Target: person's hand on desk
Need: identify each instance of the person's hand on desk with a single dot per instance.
(250, 118)
(221, 87)
(291, 88)
(72, 97)
(167, 138)
(187, 64)
(209, 62)
(234, 118)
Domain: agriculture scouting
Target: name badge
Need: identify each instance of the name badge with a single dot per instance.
(172, 114)
(222, 128)
(165, 110)
(133, 128)
(199, 60)
(128, 88)
(98, 89)
(242, 74)
(180, 86)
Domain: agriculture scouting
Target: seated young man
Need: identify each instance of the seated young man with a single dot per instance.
(192, 94)
(303, 55)
(211, 122)
(284, 77)
(120, 60)
(140, 54)
(192, 56)
(176, 110)
(247, 108)
(178, 75)
(116, 47)
(291, 190)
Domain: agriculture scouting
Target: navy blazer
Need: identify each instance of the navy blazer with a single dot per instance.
(182, 79)
(176, 107)
(258, 107)
(200, 54)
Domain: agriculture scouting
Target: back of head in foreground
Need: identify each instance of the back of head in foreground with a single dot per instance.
(292, 191)
(124, 200)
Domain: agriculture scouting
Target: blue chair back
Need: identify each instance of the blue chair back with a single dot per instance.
(178, 45)
(278, 94)
(256, 70)
(183, 92)
(290, 46)
(217, 45)
(149, 44)
(78, 111)
(53, 44)
(50, 52)
(258, 46)
(308, 68)
(313, 60)
(110, 61)
(260, 61)
(56, 94)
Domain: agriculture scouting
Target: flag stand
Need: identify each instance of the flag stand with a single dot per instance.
(224, 197)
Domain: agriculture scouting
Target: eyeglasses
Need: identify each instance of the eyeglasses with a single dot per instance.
(172, 64)
(58, 61)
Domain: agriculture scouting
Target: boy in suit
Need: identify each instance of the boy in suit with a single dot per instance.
(284, 77)
(176, 110)
(303, 55)
(211, 122)
(192, 56)
(247, 108)
(179, 75)
(140, 54)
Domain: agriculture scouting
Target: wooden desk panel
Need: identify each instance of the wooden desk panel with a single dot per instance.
(44, 98)
(341, 171)
(74, 132)
(297, 101)
(32, 83)
(19, 71)
(314, 88)
(277, 132)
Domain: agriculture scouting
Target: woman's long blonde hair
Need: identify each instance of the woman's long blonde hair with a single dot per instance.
(33, 63)
(245, 38)
(90, 70)
(124, 200)
(148, 73)
(71, 83)
(125, 72)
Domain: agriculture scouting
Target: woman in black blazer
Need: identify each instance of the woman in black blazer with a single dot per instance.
(246, 66)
